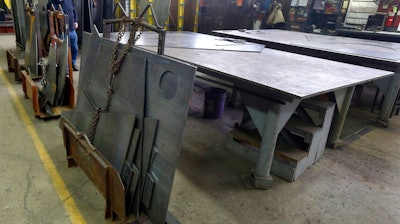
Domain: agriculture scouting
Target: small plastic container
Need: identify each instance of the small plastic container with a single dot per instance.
(214, 103)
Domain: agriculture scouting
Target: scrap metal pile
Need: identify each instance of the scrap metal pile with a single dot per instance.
(126, 130)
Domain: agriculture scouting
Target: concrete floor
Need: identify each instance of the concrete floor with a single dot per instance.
(358, 183)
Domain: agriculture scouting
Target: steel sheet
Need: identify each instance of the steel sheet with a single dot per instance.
(149, 86)
(31, 50)
(50, 87)
(192, 40)
(277, 78)
(62, 64)
(387, 51)
(18, 12)
(114, 136)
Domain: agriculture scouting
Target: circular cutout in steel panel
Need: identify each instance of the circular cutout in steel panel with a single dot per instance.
(168, 85)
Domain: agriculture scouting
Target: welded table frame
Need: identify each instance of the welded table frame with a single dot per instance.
(316, 45)
(271, 104)
(270, 113)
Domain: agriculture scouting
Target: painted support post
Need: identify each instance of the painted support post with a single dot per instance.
(150, 18)
(181, 13)
(343, 100)
(196, 17)
(133, 9)
(166, 25)
(390, 98)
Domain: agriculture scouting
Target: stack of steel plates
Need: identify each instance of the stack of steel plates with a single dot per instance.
(139, 135)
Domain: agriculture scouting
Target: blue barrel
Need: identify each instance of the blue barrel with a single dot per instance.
(214, 103)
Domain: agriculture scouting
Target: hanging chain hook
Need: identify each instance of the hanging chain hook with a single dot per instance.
(116, 64)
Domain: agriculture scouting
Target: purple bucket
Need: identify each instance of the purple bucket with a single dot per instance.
(214, 103)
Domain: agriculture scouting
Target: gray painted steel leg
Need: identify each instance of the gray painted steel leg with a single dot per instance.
(261, 175)
(235, 98)
(338, 119)
(269, 118)
(390, 98)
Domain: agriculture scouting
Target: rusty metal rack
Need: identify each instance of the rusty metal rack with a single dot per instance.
(107, 180)
(126, 132)
(139, 21)
(13, 65)
(57, 75)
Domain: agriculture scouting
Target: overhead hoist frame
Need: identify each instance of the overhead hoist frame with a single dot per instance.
(139, 21)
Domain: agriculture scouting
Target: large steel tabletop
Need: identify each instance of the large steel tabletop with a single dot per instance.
(271, 83)
(279, 72)
(302, 42)
(370, 53)
(185, 39)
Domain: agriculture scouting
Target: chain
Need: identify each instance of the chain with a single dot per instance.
(116, 64)
(95, 121)
(43, 63)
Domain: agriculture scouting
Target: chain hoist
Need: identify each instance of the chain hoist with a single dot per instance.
(116, 64)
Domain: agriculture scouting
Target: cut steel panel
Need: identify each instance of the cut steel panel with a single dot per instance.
(18, 12)
(62, 64)
(168, 89)
(113, 137)
(149, 86)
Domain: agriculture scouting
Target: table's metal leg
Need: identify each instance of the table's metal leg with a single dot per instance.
(235, 98)
(269, 118)
(390, 98)
(261, 175)
(343, 100)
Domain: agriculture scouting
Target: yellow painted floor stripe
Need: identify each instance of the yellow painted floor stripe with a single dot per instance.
(62, 190)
